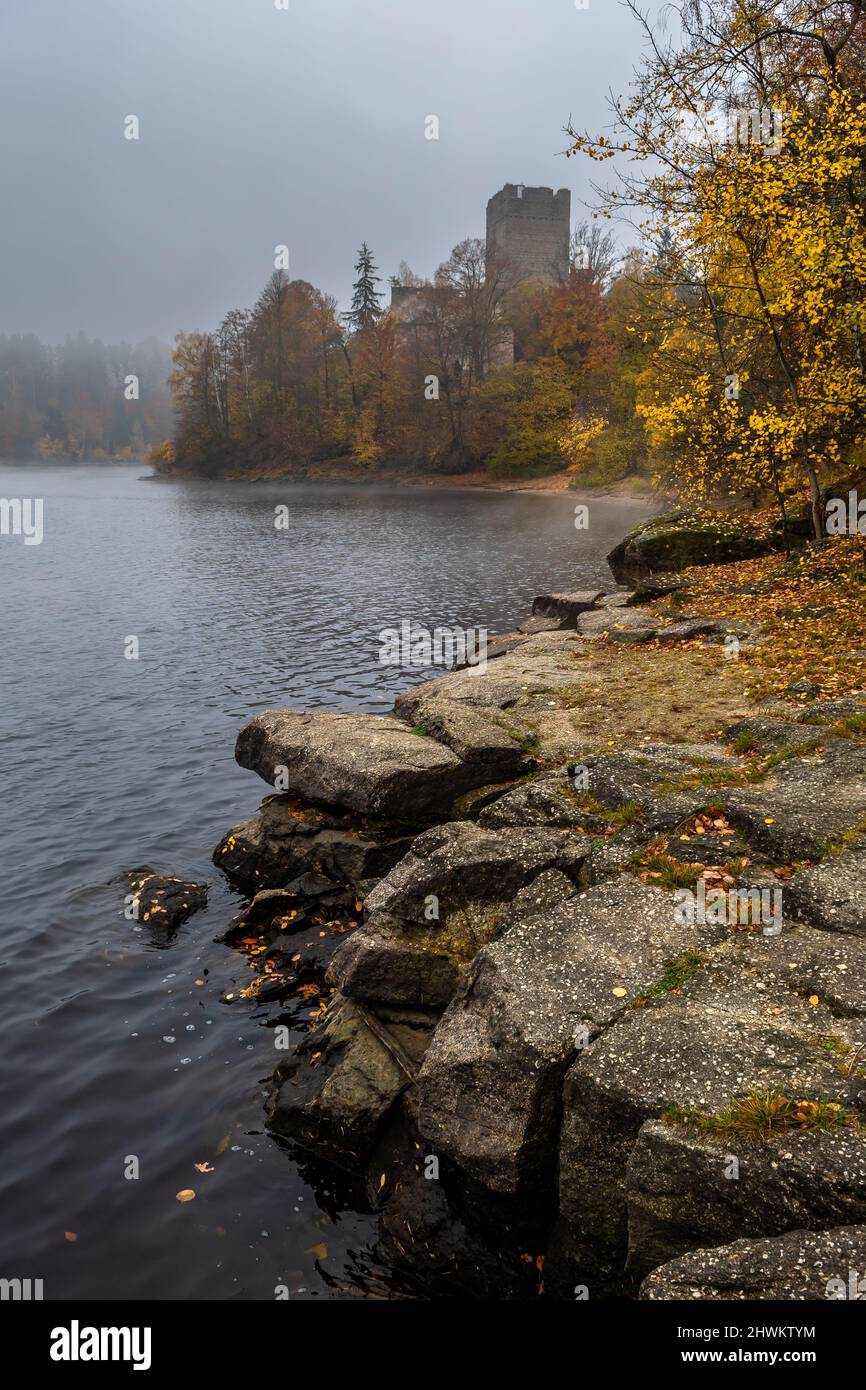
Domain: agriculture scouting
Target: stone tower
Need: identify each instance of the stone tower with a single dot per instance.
(531, 229)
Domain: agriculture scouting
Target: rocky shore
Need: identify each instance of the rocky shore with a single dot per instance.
(590, 1012)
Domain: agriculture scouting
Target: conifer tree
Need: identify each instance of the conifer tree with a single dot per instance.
(366, 306)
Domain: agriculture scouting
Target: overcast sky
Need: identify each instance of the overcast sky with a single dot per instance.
(261, 126)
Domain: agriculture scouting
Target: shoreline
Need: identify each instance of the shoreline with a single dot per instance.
(505, 852)
(631, 489)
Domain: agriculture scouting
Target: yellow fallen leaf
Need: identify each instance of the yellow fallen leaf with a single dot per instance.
(320, 1251)
(186, 1194)
(619, 992)
(813, 999)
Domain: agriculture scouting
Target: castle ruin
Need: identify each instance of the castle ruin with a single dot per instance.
(530, 229)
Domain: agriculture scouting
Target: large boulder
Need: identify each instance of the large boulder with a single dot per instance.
(468, 731)
(675, 540)
(491, 1082)
(364, 762)
(727, 1032)
(440, 904)
(798, 1266)
(688, 1189)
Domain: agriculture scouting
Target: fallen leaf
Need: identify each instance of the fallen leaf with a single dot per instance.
(70, 1235)
(320, 1251)
(203, 1168)
(186, 1194)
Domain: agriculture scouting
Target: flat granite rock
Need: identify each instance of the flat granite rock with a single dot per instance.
(490, 1085)
(616, 622)
(549, 799)
(801, 1266)
(843, 707)
(635, 776)
(687, 1189)
(766, 734)
(804, 804)
(832, 895)
(566, 608)
(441, 903)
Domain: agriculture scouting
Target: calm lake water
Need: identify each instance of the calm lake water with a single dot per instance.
(110, 1050)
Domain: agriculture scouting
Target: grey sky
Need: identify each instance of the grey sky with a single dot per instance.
(261, 126)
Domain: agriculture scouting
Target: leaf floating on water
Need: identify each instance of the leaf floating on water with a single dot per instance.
(223, 1144)
(186, 1194)
(70, 1235)
(320, 1251)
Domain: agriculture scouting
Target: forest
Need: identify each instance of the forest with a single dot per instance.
(83, 400)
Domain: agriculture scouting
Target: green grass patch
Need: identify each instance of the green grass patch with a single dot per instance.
(762, 1114)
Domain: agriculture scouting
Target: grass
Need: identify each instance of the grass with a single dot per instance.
(762, 1114)
(617, 820)
(675, 976)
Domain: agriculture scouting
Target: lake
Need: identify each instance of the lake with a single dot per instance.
(111, 1051)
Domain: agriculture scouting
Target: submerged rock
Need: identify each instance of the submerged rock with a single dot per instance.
(161, 901)
(334, 1091)
(799, 1266)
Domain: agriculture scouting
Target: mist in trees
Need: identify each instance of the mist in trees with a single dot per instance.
(78, 401)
